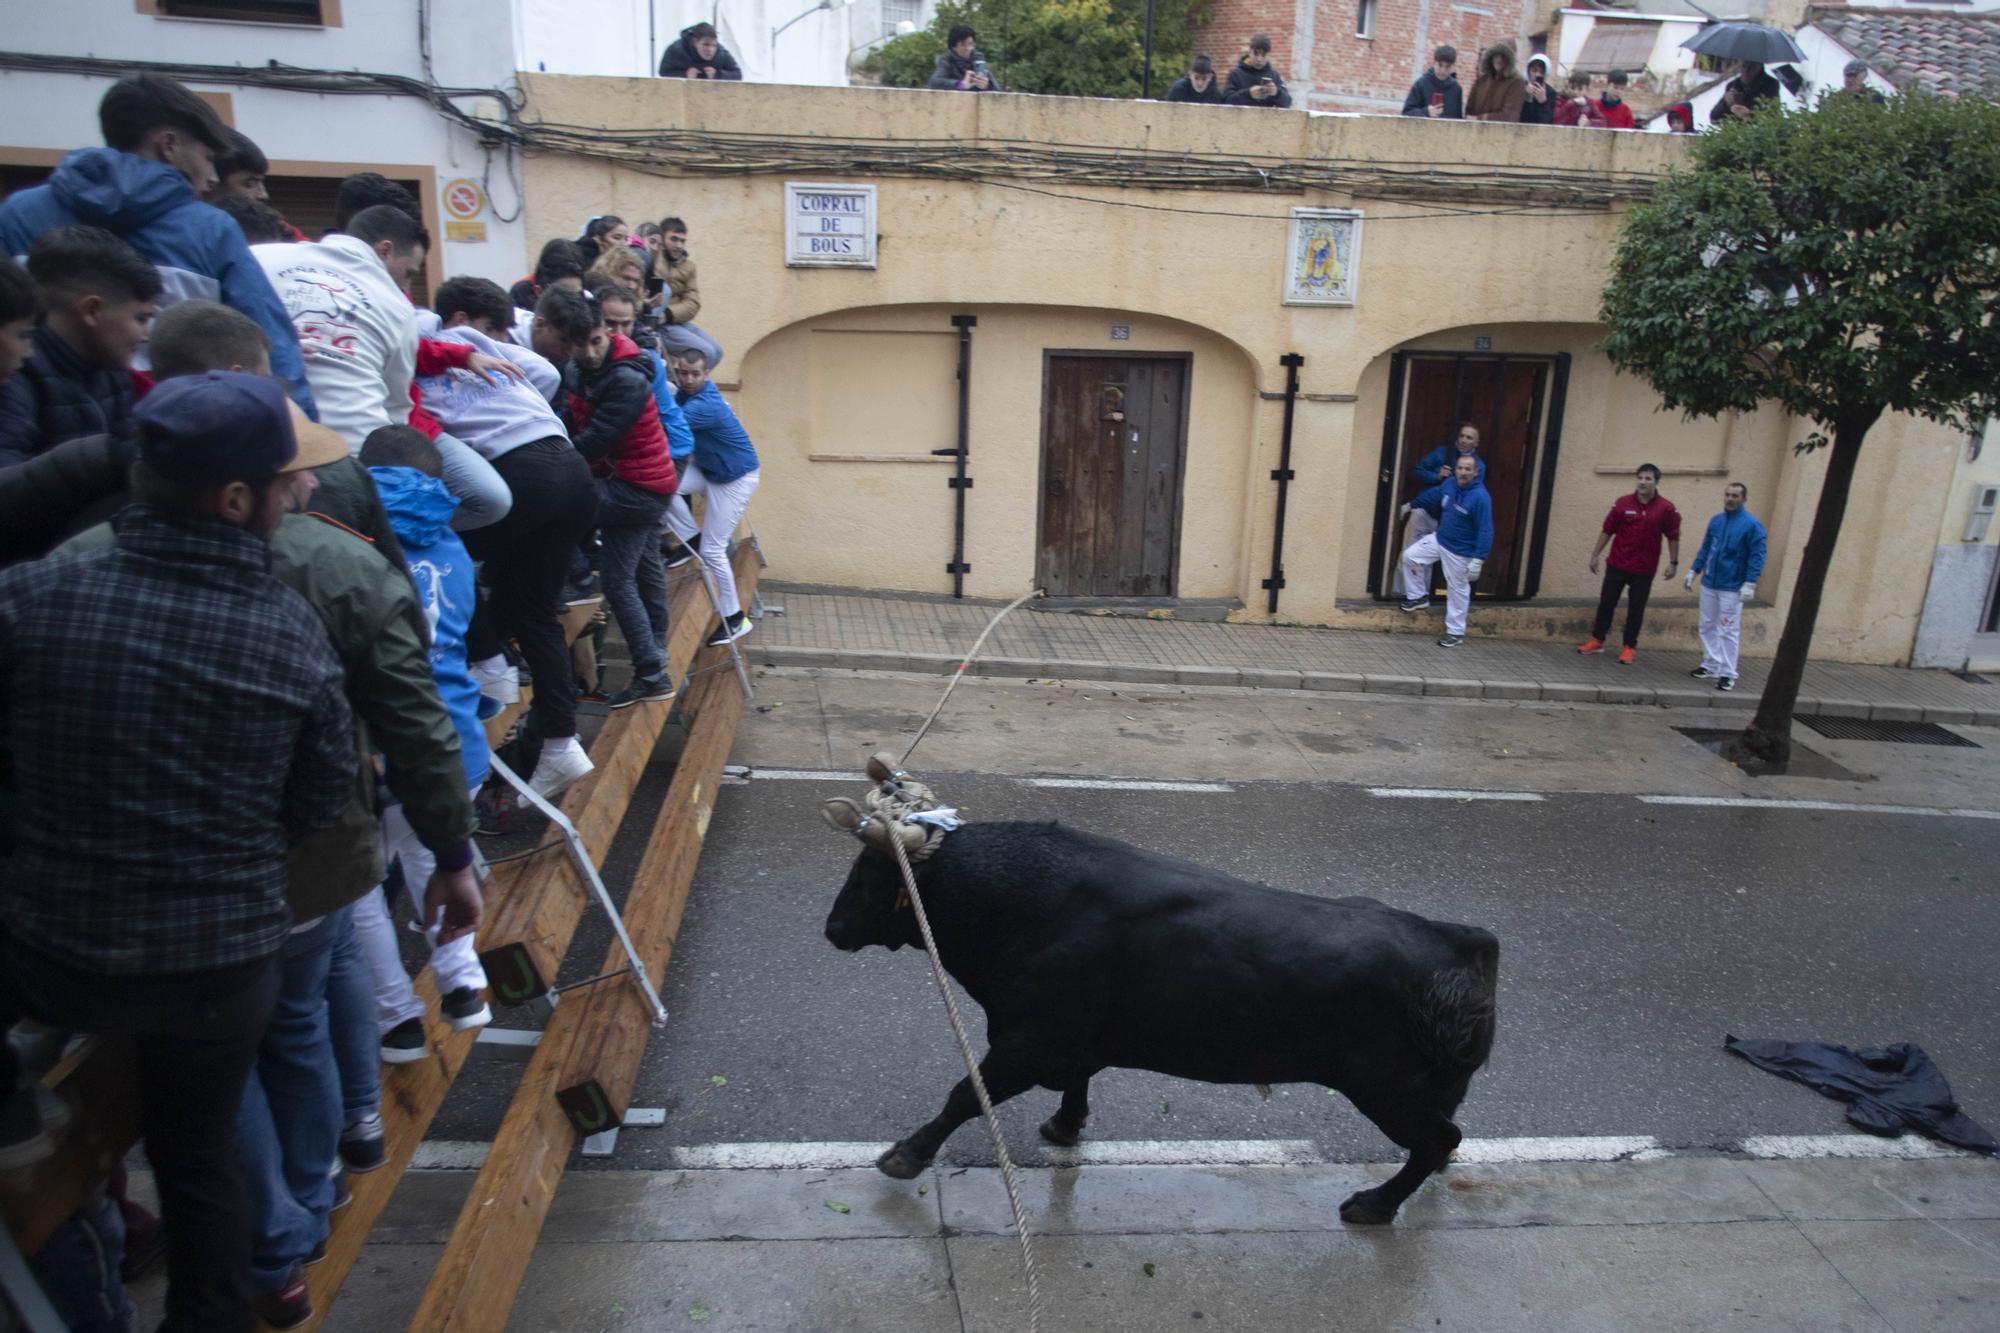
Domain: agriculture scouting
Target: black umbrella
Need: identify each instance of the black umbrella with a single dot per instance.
(1745, 41)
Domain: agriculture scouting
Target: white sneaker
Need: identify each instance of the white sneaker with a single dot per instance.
(500, 683)
(555, 771)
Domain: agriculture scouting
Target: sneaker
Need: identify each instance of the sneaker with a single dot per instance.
(676, 553)
(342, 1196)
(466, 1009)
(574, 596)
(1416, 604)
(318, 1255)
(290, 1305)
(556, 770)
(405, 1043)
(364, 1146)
(1625, 656)
(499, 683)
(730, 630)
(1725, 683)
(1702, 673)
(1591, 647)
(1451, 641)
(644, 689)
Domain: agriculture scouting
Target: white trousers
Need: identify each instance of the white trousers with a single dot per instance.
(726, 502)
(1721, 629)
(455, 965)
(1421, 525)
(1417, 561)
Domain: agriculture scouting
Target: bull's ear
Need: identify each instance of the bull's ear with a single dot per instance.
(843, 814)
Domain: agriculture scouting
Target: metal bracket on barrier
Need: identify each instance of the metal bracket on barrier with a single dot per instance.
(639, 1117)
(715, 604)
(580, 857)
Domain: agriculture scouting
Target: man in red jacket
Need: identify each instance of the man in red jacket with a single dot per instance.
(614, 422)
(1633, 528)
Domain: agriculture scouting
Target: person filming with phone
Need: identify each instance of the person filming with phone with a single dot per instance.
(1253, 82)
(1437, 92)
(961, 68)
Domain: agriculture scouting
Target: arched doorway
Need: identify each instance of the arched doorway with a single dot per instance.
(1516, 403)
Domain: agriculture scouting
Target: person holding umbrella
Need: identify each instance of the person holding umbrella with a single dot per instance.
(1752, 46)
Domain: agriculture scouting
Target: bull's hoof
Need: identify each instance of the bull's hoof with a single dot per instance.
(1365, 1209)
(1056, 1132)
(900, 1163)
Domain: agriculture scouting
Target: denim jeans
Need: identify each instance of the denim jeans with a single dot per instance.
(350, 1017)
(77, 1268)
(288, 1127)
(635, 576)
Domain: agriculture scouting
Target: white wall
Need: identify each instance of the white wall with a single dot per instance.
(472, 42)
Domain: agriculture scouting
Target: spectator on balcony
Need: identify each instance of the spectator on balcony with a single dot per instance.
(1198, 84)
(1854, 83)
(144, 187)
(1540, 106)
(699, 54)
(1254, 82)
(1610, 111)
(605, 232)
(100, 296)
(1680, 118)
(961, 68)
(1742, 95)
(1437, 93)
(1498, 90)
(679, 299)
(1572, 106)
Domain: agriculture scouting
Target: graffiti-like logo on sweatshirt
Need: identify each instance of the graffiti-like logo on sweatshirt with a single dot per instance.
(326, 310)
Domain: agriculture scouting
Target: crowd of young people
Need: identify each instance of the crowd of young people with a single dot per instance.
(274, 543)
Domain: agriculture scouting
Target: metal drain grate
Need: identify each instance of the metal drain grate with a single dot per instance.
(1892, 733)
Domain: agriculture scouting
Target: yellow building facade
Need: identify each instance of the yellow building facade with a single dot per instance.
(1131, 300)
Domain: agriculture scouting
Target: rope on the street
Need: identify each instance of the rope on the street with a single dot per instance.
(967, 661)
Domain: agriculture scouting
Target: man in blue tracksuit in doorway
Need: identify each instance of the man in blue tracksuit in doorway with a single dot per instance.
(1728, 563)
(1463, 539)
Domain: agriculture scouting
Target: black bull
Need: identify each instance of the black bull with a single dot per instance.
(1089, 954)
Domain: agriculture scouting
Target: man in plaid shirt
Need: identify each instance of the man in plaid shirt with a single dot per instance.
(171, 720)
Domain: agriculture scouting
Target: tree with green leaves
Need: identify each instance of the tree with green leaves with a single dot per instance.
(1069, 48)
(1840, 263)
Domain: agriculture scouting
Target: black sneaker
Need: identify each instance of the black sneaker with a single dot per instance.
(405, 1043)
(730, 630)
(1725, 683)
(465, 1009)
(290, 1305)
(342, 1196)
(1702, 673)
(363, 1146)
(644, 689)
(1451, 641)
(676, 553)
(318, 1256)
(1416, 603)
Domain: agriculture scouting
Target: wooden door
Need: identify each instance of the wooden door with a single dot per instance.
(1113, 445)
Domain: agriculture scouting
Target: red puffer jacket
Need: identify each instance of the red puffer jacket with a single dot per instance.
(614, 420)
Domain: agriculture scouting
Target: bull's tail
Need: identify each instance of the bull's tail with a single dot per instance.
(1453, 1018)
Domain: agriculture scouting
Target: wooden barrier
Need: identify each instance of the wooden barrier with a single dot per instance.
(595, 1038)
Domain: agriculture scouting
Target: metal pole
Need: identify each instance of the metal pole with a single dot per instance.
(1282, 474)
(1146, 79)
(958, 481)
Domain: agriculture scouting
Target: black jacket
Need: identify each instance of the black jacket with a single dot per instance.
(56, 397)
(1242, 79)
(682, 57)
(1762, 88)
(1184, 91)
(951, 68)
(1428, 84)
(76, 485)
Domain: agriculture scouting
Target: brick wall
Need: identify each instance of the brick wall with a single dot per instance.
(1343, 71)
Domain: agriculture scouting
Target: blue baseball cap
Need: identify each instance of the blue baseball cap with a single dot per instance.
(224, 426)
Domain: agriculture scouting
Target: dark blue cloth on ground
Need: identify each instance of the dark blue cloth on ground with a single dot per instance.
(1888, 1088)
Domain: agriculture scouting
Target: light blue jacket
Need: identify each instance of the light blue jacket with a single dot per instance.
(1732, 550)
(680, 436)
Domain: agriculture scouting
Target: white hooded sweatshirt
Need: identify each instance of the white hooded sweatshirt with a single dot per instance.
(357, 331)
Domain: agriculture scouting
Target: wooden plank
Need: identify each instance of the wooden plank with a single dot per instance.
(526, 934)
(100, 1082)
(473, 1286)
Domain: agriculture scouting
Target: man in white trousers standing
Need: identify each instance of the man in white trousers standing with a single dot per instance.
(722, 468)
(1730, 559)
(1464, 538)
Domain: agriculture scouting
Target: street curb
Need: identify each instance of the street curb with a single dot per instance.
(1346, 682)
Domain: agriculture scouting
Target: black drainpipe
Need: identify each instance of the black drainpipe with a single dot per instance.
(1282, 474)
(959, 482)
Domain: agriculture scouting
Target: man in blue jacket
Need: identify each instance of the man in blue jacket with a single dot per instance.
(1728, 563)
(1463, 539)
(143, 187)
(1433, 468)
(724, 469)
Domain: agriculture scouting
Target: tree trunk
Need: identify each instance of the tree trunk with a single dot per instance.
(1768, 739)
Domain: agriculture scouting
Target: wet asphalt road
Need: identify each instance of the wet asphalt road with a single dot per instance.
(1633, 938)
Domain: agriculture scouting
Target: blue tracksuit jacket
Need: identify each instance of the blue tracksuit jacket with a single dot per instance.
(1732, 550)
(1464, 515)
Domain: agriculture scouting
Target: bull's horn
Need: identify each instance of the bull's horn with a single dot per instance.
(843, 814)
(881, 766)
(911, 836)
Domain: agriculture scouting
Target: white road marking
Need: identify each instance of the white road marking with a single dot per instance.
(1579, 1148)
(1760, 803)
(803, 775)
(1449, 794)
(1909, 1147)
(767, 1156)
(449, 1155)
(1126, 784)
(1186, 1152)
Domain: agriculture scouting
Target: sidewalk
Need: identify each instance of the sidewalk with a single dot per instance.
(886, 632)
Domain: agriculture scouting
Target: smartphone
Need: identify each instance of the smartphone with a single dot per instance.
(1437, 100)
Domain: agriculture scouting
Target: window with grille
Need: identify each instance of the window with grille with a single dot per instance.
(1364, 18)
(1626, 46)
(898, 11)
(255, 11)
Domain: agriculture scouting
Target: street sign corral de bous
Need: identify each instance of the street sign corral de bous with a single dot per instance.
(829, 226)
